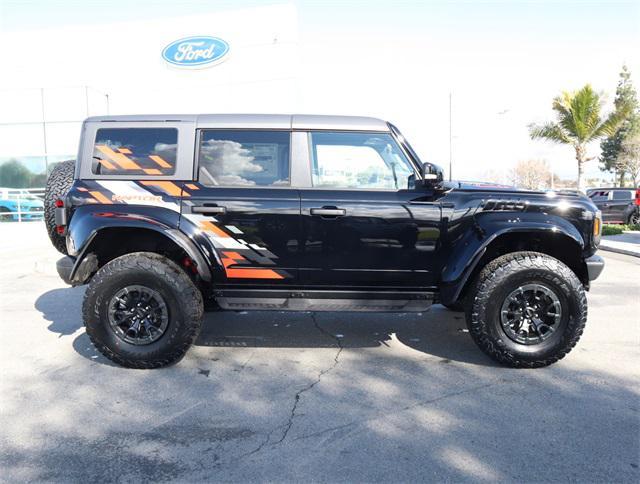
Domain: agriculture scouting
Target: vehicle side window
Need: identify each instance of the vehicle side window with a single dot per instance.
(244, 158)
(358, 161)
(599, 196)
(135, 151)
(622, 195)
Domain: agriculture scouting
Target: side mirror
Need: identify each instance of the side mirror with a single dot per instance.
(432, 175)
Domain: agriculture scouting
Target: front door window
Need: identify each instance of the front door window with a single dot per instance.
(369, 161)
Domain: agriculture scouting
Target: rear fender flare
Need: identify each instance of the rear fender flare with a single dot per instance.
(88, 222)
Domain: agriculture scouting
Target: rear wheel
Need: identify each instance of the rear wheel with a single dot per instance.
(528, 310)
(58, 184)
(142, 310)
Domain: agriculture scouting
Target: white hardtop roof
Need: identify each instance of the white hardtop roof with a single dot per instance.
(256, 121)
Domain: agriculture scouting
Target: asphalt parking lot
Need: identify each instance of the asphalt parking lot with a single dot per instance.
(310, 397)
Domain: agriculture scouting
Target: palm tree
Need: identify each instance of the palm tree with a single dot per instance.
(578, 123)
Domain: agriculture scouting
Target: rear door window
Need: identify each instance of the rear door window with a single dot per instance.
(622, 195)
(135, 151)
(244, 158)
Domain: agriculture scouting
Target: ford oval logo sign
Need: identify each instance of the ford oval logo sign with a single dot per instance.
(195, 51)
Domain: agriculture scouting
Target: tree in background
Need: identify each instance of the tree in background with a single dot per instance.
(578, 123)
(492, 175)
(14, 174)
(628, 160)
(531, 174)
(626, 98)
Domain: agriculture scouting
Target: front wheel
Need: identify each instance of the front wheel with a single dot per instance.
(528, 310)
(142, 310)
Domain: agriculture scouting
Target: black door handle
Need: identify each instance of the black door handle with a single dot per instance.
(209, 209)
(328, 212)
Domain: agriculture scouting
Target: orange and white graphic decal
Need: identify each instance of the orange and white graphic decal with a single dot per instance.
(239, 259)
(110, 192)
(123, 159)
(231, 259)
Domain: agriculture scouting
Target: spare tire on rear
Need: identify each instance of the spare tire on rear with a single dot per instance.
(58, 184)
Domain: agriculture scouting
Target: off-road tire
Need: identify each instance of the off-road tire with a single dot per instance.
(182, 297)
(503, 275)
(58, 184)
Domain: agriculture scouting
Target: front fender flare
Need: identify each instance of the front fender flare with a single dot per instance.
(470, 248)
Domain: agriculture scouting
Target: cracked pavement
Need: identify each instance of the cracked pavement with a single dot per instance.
(330, 397)
(298, 395)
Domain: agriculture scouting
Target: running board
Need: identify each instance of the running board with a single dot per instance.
(265, 300)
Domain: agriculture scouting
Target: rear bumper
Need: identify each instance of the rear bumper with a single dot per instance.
(76, 271)
(595, 265)
(64, 267)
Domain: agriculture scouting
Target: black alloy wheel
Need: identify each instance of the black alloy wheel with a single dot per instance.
(530, 314)
(138, 315)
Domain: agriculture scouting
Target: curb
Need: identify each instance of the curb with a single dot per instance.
(619, 251)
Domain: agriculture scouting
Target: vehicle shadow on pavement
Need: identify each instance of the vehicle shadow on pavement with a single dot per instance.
(357, 415)
(63, 309)
(439, 332)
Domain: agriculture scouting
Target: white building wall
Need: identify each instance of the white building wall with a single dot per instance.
(65, 75)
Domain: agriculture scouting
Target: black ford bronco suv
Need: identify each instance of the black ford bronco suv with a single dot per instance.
(164, 216)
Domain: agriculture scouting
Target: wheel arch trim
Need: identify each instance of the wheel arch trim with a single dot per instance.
(472, 249)
(84, 233)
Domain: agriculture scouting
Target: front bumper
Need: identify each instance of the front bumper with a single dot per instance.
(595, 265)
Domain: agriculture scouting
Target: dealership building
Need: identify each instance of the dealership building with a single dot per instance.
(230, 61)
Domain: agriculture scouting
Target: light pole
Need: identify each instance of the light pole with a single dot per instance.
(44, 133)
(505, 174)
(450, 142)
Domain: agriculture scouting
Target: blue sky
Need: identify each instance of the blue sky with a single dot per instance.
(560, 19)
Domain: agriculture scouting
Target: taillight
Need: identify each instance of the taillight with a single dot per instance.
(60, 217)
(638, 196)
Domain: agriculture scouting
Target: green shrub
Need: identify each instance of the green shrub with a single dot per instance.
(612, 229)
(618, 229)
